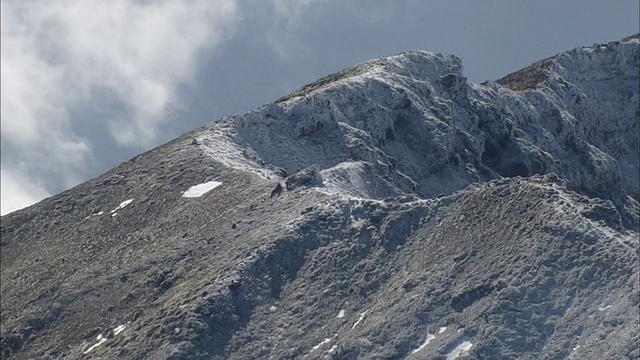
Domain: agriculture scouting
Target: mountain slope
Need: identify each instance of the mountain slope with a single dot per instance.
(391, 210)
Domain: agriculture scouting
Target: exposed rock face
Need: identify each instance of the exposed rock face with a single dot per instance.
(424, 217)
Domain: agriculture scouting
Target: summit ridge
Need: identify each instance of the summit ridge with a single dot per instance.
(390, 210)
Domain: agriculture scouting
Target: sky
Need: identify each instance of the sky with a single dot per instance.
(88, 84)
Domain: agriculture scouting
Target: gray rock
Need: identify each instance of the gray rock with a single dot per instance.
(425, 217)
(304, 178)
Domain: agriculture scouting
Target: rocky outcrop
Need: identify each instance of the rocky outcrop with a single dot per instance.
(427, 131)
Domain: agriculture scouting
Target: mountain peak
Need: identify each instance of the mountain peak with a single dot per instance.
(401, 122)
(621, 55)
(412, 64)
(390, 210)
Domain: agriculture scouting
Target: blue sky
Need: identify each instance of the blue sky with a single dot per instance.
(87, 85)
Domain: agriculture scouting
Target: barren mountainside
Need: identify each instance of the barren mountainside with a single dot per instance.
(392, 210)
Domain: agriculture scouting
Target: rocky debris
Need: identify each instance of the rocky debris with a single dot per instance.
(304, 178)
(527, 78)
(327, 80)
(277, 190)
(281, 173)
(425, 217)
(235, 285)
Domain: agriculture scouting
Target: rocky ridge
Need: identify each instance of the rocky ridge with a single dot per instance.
(391, 210)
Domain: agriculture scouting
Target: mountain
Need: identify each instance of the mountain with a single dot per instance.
(392, 210)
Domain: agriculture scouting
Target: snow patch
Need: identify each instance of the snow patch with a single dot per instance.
(121, 206)
(425, 343)
(326, 340)
(430, 337)
(220, 146)
(462, 347)
(94, 214)
(340, 314)
(119, 329)
(362, 315)
(603, 308)
(201, 189)
(102, 339)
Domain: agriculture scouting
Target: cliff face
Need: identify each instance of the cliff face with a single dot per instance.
(391, 210)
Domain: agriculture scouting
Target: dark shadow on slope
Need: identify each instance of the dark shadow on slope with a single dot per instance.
(227, 313)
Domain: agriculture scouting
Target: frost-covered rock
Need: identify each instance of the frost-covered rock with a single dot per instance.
(304, 178)
(391, 210)
(422, 129)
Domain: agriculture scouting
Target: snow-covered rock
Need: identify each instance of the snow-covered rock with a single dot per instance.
(391, 210)
(411, 124)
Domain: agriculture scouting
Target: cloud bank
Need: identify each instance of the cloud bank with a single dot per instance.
(65, 59)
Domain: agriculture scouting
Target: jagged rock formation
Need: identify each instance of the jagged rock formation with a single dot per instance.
(392, 210)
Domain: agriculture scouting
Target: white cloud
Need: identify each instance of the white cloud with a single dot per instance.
(61, 56)
(55, 54)
(291, 10)
(141, 50)
(282, 35)
(18, 190)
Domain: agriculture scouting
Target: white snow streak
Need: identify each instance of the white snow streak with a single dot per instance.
(201, 189)
(462, 347)
(326, 340)
(119, 329)
(425, 343)
(101, 341)
(121, 206)
(94, 214)
(360, 319)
